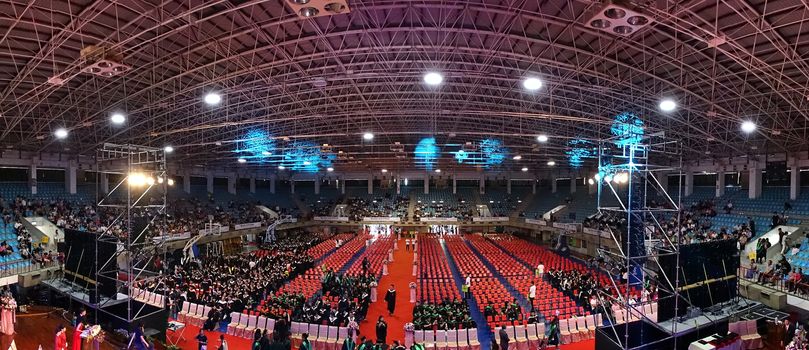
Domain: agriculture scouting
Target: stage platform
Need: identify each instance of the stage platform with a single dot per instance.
(81, 294)
(740, 308)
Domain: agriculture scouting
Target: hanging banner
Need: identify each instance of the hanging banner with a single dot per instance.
(331, 218)
(491, 219)
(246, 226)
(536, 222)
(439, 219)
(565, 226)
(383, 219)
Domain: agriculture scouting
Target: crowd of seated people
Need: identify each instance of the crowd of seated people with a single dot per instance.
(511, 310)
(449, 314)
(234, 282)
(460, 209)
(383, 206)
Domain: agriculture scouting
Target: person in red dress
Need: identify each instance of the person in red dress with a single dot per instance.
(80, 320)
(61, 338)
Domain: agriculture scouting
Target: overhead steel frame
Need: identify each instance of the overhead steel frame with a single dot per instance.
(627, 173)
(144, 174)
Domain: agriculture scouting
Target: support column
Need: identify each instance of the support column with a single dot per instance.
(272, 185)
(553, 185)
(754, 190)
(105, 183)
(317, 185)
(292, 186)
(232, 184)
(482, 184)
(252, 184)
(70, 178)
(573, 184)
(427, 184)
(209, 184)
(794, 182)
(343, 186)
(454, 185)
(187, 183)
(32, 177)
(508, 186)
(720, 183)
(370, 185)
(689, 184)
(534, 187)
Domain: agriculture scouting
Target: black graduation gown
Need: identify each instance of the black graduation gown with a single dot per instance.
(382, 332)
(390, 298)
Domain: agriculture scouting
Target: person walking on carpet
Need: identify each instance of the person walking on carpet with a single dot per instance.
(503, 338)
(390, 298)
(381, 330)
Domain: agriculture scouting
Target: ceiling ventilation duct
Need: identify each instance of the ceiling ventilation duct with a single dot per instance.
(317, 8)
(618, 17)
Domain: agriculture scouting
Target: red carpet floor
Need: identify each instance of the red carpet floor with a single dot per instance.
(400, 274)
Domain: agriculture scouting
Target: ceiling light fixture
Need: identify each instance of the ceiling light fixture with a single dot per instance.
(168, 149)
(532, 84)
(433, 78)
(524, 169)
(667, 105)
(384, 170)
(367, 136)
(60, 133)
(242, 160)
(517, 157)
(281, 167)
(748, 127)
(438, 170)
(329, 169)
(117, 118)
(551, 163)
(542, 138)
(212, 98)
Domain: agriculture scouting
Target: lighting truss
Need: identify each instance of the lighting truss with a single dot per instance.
(141, 192)
(624, 168)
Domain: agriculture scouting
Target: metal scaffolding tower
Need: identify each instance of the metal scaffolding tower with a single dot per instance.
(633, 190)
(138, 203)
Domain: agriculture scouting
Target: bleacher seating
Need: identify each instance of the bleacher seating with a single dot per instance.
(434, 275)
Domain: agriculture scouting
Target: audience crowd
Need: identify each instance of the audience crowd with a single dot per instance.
(449, 314)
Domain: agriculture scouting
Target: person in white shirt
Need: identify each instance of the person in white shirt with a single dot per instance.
(540, 269)
(532, 294)
(407, 245)
(468, 286)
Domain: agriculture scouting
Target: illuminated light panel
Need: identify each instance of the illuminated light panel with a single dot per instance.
(329, 169)
(241, 160)
(628, 129)
(168, 149)
(542, 138)
(60, 133)
(524, 169)
(367, 136)
(117, 118)
(551, 163)
(517, 157)
(212, 99)
(578, 150)
(749, 127)
(426, 153)
(532, 84)
(667, 105)
(433, 78)
(258, 146)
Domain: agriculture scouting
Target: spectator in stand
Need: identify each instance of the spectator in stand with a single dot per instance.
(728, 207)
(794, 280)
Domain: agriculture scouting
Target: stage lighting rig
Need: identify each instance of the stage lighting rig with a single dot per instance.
(103, 61)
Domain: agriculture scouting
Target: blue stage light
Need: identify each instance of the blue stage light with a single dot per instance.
(258, 146)
(628, 129)
(579, 149)
(493, 152)
(426, 153)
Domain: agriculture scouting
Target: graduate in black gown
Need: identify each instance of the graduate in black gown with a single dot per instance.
(390, 298)
(381, 330)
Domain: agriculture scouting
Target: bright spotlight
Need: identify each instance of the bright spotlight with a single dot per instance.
(171, 182)
(433, 78)
(542, 138)
(532, 84)
(149, 180)
(136, 179)
(168, 149)
(608, 178)
(160, 180)
(60, 133)
(748, 127)
(281, 167)
(329, 169)
(367, 136)
(517, 157)
(241, 160)
(384, 170)
(597, 177)
(117, 118)
(667, 105)
(438, 170)
(266, 153)
(212, 98)
(551, 163)
(524, 169)
(590, 181)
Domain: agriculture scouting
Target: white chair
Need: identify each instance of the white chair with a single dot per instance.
(452, 339)
(241, 329)
(564, 331)
(184, 312)
(581, 324)
(270, 327)
(532, 336)
(520, 338)
(262, 323)
(295, 333)
(418, 337)
(429, 340)
(462, 339)
(441, 340)
(331, 337)
(322, 336)
(252, 323)
(751, 339)
(202, 318)
(342, 335)
(234, 321)
(591, 326)
(192, 313)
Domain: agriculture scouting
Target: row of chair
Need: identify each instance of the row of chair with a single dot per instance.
(749, 333)
(194, 314)
(147, 297)
(460, 339)
(623, 315)
(578, 328)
